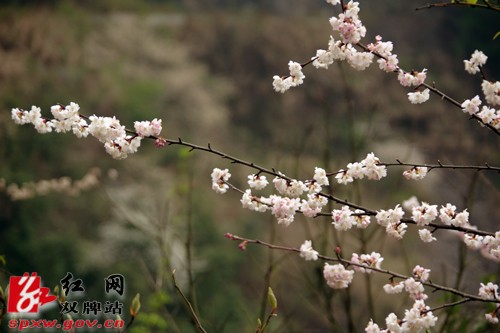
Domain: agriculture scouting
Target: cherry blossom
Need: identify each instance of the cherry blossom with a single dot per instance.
(336, 276)
(307, 252)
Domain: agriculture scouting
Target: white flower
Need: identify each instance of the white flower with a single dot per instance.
(491, 317)
(382, 48)
(477, 59)
(313, 187)
(412, 79)
(405, 78)
(350, 28)
(19, 116)
(343, 177)
(307, 252)
(421, 273)
(295, 188)
(34, 115)
(45, 126)
(410, 203)
(491, 91)
(333, 2)
(362, 221)
(356, 170)
(487, 114)
(447, 214)
(339, 50)
(336, 276)
(219, 179)
(415, 289)
(323, 59)
(372, 167)
(123, 146)
(426, 236)
(114, 150)
(372, 327)
(106, 129)
(252, 203)
(62, 113)
(491, 247)
(284, 208)
(392, 323)
(360, 60)
(396, 230)
(419, 97)
(418, 318)
(320, 176)
(296, 73)
(424, 214)
(390, 64)
(461, 219)
(257, 182)
(471, 106)
(313, 205)
(489, 291)
(148, 128)
(343, 219)
(280, 184)
(391, 216)
(281, 84)
(415, 173)
(81, 129)
(371, 260)
(394, 288)
(473, 241)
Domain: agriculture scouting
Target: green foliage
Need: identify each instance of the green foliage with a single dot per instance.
(150, 322)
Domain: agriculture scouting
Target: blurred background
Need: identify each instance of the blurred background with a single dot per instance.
(205, 68)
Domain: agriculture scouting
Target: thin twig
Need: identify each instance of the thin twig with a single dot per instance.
(191, 310)
(392, 274)
(366, 211)
(485, 167)
(487, 5)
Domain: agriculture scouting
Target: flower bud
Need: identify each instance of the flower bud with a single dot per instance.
(272, 299)
(135, 306)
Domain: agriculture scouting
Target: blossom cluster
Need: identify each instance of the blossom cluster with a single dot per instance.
(348, 30)
(337, 276)
(296, 77)
(489, 291)
(296, 196)
(344, 219)
(489, 246)
(56, 185)
(491, 91)
(302, 196)
(417, 319)
(307, 252)
(370, 167)
(416, 173)
(288, 202)
(219, 180)
(118, 142)
(285, 205)
(477, 60)
(371, 260)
